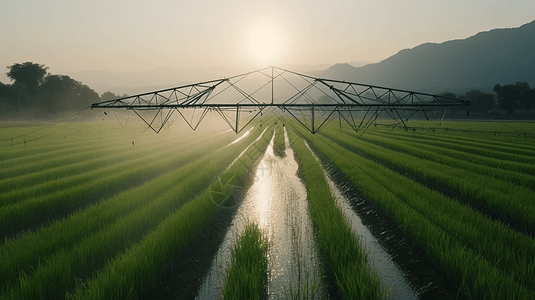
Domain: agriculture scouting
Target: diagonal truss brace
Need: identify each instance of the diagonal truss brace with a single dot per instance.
(359, 105)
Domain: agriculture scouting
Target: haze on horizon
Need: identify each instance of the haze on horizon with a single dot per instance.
(134, 36)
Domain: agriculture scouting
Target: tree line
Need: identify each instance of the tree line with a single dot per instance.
(36, 93)
(510, 98)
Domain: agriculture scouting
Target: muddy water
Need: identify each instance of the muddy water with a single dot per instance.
(391, 276)
(277, 202)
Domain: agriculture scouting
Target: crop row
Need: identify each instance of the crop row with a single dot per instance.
(65, 233)
(467, 156)
(514, 201)
(482, 149)
(507, 146)
(468, 163)
(55, 179)
(52, 146)
(133, 274)
(246, 276)
(341, 251)
(58, 168)
(42, 200)
(485, 258)
(53, 260)
(496, 131)
(82, 150)
(521, 144)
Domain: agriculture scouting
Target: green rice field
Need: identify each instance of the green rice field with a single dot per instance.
(97, 211)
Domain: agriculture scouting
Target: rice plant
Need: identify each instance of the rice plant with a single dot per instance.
(247, 275)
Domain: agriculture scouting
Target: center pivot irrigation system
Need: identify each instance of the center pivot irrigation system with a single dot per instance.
(310, 100)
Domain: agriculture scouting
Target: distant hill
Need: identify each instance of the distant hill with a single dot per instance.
(502, 56)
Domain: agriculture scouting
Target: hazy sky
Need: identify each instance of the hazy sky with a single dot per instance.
(137, 35)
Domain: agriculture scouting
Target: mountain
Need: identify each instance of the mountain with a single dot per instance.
(359, 63)
(502, 56)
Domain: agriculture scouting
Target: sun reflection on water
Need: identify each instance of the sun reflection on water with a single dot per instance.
(277, 202)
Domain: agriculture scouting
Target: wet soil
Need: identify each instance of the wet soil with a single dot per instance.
(184, 275)
(428, 281)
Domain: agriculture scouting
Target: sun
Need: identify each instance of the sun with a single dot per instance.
(264, 44)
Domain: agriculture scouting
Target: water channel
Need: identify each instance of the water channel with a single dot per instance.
(392, 278)
(277, 202)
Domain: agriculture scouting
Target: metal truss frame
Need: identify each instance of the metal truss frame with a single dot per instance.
(312, 102)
